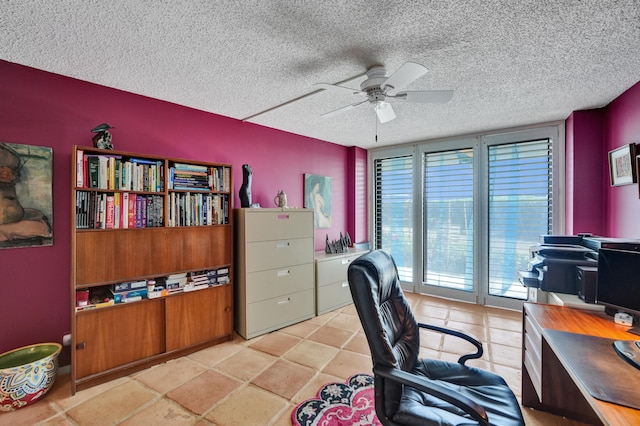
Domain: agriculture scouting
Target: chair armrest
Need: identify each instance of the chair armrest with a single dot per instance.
(461, 335)
(433, 388)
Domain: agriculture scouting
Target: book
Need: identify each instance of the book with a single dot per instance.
(110, 211)
(93, 166)
(79, 168)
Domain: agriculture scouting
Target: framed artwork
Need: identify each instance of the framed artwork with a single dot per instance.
(317, 196)
(26, 201)
(621, 167)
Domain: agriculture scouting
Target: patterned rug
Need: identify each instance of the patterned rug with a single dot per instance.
(339, 404)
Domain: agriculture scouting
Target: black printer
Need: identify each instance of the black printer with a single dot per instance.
(568, 263)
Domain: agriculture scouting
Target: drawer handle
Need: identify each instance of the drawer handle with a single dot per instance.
(345, 284)
(287, 300)
(282, 244)
(283, 273)
(81, 345)
(283, 216)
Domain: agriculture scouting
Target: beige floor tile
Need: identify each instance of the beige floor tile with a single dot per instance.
(508, 322)
(29, 415)
(324, 318)
(310, 390)
(506, 337)
(345, 322)
(312, 354)
(112, 406)
(164, 377)
(349, 309)
(505, 355)
(284, 378)
(346, 364)
(301, 329)
(217, 381)
(276, 343)
(429, 311)
(246, 364)
(162, 412)
(431, 339)
(216, 354)
(457, 345)
(59, 420)
(470, 316)
(359, 344)
(249, 406)
(331, 336)
(204, 391)
(285, 417)
(60, 394)
(477, 331)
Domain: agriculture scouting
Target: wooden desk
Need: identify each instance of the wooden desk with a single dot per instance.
(549, 384)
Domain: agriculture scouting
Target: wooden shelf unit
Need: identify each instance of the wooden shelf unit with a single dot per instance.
(116, 340)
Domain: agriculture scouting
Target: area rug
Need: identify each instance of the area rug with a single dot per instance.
(339, 404)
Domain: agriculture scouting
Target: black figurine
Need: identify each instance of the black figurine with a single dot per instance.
(245, 188)
(102, 139)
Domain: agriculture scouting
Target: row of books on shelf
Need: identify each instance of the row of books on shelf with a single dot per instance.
(118, 210)
(193, 209)
(193, 177)
(133, 291)
(117, 173)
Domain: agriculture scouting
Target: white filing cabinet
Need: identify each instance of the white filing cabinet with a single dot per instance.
(274, 269)
(332, 285)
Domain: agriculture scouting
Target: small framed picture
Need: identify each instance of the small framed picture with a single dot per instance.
(622, 171)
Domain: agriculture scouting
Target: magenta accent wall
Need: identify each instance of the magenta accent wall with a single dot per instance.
(40, 108)
(622, 203)
(584, 173)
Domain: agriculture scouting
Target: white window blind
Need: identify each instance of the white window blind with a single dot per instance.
(394, 211)
(448, 219)
(520, 210)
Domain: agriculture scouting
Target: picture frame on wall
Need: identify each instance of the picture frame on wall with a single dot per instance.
(622, 171)
(26, 195)
(317, 191)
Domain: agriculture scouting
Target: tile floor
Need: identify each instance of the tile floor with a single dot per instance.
(260, 381)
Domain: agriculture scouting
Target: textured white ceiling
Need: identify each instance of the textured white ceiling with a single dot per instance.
(510, 63)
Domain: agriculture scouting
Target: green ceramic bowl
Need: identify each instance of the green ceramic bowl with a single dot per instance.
(26, 374)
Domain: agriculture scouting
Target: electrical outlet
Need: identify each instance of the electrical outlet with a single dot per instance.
(66, 340)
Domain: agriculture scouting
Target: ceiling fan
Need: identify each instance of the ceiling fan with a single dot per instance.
(378, 88)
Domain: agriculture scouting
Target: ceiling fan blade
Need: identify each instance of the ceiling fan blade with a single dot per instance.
(404, 75)
(342, 89)
(384, 111)
(426, 96)
(343, 109)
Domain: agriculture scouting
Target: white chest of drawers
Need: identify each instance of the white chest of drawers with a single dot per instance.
(332, 285)
(275, 270)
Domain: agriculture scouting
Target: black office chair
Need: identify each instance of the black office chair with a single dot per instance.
(413, 391)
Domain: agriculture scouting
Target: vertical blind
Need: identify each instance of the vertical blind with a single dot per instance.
(394, 211)
(448, 219)
(520, 210)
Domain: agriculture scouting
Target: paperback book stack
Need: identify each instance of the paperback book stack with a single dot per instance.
(197, 281)
(189, 177)
(175, 283)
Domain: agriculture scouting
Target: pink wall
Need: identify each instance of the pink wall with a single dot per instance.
(622, 202)
(40, 108)
(584, 173)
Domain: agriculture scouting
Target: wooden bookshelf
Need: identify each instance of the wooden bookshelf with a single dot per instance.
(180, 225)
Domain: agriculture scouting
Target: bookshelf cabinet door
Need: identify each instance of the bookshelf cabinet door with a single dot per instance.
(199, 316)
(111, 337)
(149, 251)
